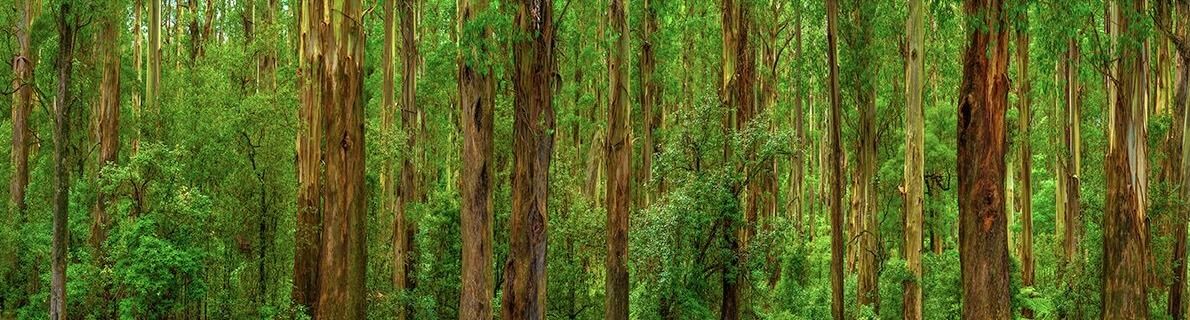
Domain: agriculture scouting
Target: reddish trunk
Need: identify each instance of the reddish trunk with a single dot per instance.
(983, 246)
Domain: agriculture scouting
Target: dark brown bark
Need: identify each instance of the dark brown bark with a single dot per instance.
(1125, 231)
(983, 245)
(533, 147)
(343, 261)
(1026, 154)
(63, 65)
(476, 90)
(619, 167)
(836, 163)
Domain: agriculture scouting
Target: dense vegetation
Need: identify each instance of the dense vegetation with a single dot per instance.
(587, 159)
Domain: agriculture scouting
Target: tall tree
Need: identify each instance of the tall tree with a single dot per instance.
(22, 85)
(533, 146)
(476, 90)
(1025, 151)
(859, 39)
(1181, 44)
(738, 94)
(619, 167)
(1072, 167)
(836, 162)
(314, 86)
(68, 25)
(1125, 231)
(108, 114)
(388, 194)
(914, 158)
(153, 76)
(649, 101)
(410, 114)
(343, 262)
(983, 246)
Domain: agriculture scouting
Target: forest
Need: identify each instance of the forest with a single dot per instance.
(595, 159)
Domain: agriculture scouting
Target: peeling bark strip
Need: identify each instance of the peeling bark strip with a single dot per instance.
(1125, 234)
(533, 146)
(914, 159)
(476, 89)
(619, 168)
(343, 261)
(983, 100)
(308, 238)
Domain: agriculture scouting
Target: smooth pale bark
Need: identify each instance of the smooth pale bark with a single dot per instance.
(343, 263)
(619, 167)
(914, 187)
(313, 86)
(983, 101)
(836, 162)
(476, 92)
(1125, 231)
(108, 115)
(534, 66)
(68, 25)
(1025, 151)
(22, 66)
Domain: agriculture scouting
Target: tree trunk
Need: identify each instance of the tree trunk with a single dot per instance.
(836, 159)
(738, 94)
(619, 167)
(649, 98)
(867, 233)
(67, 27)
(343, 264)
(1125, 231)
(533, 146)
(153, 79)
(1177, 308)
(313, 84)
(22, 86)
(797, 189)
(410, 188)
(983, 248)
(476, 92)
(390, 199)
(109, 122)
(914, 159)
(1024, 98)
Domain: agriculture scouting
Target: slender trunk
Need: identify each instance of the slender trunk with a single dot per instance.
(67, 26)
(389, 197)
(343, 263)
(799, 140)
(619, 166)
(476, 91)
(1024, 93)
(648, 103)
(1177, 302)
(867, 233)
(983, 248)
(836, 163)
(410, 188)
(109, 122)
(153, 79)
(533, 147)
(914, 159)
(1125, 231)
